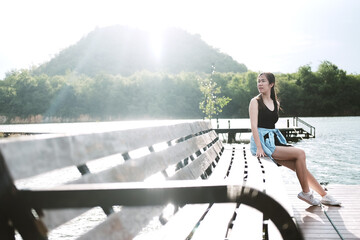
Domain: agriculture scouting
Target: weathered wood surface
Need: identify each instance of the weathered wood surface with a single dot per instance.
(313, 221)
(75, 150)
(192, 152)
(46, 153)
(227, 221)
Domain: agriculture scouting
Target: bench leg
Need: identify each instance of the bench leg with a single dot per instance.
(6, 230)
(15, 213)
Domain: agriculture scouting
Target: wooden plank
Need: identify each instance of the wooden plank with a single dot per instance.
(255, 177)
(190, 214)
(197, 167)
(274, 184)
(222, 165)
(179, 226)
(273, 232)
(143, 167)
(210, 153)
(68, 150)
(313, 221)
(104, 229)
(236, 173)
(216, 222)
(274, 187)
(185, 221)
(248, 224)
(132, 170)
(125, 224)
(215, 225)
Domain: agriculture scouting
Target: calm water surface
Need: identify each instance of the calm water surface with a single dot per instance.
(334, 155)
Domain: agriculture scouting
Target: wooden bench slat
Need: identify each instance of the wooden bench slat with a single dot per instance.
(216, 222)
(194, 150)
(125, 224)
(197, 167)
(187, 174)
(273, 232)
(249, 221)
(143, 167)
(179, 226)
(68, 150)
(132, 170)
(224, 211)
(190, 214)
(201, 163)
(54, 218)
(237, 170)
(235, 175)
(255, 173)
(222, 166)
(220, 214)
(275, 186)
(248, 224)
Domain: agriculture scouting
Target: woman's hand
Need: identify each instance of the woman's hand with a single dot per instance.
(260, 152)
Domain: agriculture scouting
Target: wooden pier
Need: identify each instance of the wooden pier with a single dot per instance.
(343, 222)
(293, 134)
(298, 130)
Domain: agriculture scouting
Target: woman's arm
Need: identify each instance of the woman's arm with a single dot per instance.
(253, 113)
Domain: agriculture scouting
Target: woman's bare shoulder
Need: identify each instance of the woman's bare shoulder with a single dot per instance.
(254, 100)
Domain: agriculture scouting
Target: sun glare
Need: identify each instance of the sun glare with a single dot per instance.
(156, 42)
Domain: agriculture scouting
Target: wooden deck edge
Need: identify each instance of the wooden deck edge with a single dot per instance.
(338, 221)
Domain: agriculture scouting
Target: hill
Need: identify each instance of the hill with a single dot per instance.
(125, 50)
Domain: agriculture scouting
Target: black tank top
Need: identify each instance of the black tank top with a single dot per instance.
(267, 118)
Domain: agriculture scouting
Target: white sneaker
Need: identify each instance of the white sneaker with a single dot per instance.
(329, 200)
(309, 198)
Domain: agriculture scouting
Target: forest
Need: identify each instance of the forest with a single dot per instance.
(113, 74)
(32, 97)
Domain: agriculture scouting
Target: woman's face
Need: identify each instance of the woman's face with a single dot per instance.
(263, 84)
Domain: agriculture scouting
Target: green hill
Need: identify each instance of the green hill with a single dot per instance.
(124, 50)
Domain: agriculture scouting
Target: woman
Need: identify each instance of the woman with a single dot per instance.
(266, 140)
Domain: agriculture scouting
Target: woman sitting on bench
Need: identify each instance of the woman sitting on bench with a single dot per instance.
(266, 140)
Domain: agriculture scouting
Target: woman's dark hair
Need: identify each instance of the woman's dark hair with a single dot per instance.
(271, 78)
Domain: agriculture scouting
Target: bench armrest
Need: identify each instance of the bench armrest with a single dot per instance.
(176, 192)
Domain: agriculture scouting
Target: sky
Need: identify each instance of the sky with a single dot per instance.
(265, 35)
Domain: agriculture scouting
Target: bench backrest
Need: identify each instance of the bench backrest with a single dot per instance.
(180, 151)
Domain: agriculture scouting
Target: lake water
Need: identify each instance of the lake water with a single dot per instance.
(334, 155)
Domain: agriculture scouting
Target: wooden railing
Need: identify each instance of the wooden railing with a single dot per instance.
(310, 130)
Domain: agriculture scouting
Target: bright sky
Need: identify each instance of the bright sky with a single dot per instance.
(265, 35)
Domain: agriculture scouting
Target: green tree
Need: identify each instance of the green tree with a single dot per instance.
(212, 104)
(290, 95)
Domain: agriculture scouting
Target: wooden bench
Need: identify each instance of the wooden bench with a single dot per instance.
(116, 185)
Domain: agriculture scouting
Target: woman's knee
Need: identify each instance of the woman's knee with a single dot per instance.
(301, 154)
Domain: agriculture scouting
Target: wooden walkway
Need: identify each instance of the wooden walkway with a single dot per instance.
(313, 221)
(293, 134)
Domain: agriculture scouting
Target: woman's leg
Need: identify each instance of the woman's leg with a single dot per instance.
(295, 159)
(314, 184)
